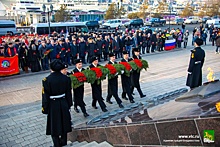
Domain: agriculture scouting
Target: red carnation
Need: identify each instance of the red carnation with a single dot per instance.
(138, 63)
(111, 68)
(97, 71)
(63, 49)
(126, 65)
(80, 76)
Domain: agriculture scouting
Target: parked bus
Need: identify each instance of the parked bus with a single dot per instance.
(7, 26)
(43, 28)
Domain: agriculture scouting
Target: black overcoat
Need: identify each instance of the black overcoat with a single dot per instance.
(57, 109)
(194, 78)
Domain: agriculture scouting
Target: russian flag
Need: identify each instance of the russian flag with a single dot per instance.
(170, 44)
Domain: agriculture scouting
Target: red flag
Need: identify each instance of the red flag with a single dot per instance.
(9, 66)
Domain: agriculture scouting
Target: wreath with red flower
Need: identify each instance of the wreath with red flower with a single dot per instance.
(112, 71)
(138, 63)
(128, 68)
(126, 65)
(80, 76)
(97, 71)
(78, 79)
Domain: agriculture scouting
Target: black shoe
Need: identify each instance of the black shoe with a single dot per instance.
(85, 114)
(77, 110)
(124, 98)
(104, 110)
(95, 107)
(143, 96)
(121, 106)
(108, 101)
(132, 101)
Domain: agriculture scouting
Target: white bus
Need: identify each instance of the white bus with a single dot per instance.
(7, 26)
(43, 28)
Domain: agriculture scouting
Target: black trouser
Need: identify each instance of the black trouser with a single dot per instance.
(185, 44)
(217, 49)
(143, 49)
(116, 54)
(126, 86)
(153, 48)
(148, 49)
(113, 90)
(213, 42)
(59, 141)
(105, 56)
(138, 89)
(97, 95)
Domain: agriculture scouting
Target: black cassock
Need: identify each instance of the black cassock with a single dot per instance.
(97, 92)
(126, 84)
(78, 94)
(194, 78)
(135, 77)
(33, 58)
(113, 88)
(58, 118)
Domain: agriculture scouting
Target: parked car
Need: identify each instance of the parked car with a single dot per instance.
(192, 20)
(205, 18)
(111, 24)
(156, 22)
(215, 22)
(92, 25)
(134, 23)
(177, 21)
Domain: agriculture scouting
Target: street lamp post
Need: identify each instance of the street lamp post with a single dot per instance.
(170, 8)
(49, 11)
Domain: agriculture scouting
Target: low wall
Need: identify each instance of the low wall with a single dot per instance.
(178, 132)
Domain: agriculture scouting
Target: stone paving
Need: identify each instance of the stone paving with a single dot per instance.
(23, 124)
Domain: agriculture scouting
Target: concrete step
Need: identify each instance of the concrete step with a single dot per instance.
(79, 144)
(86, 144)
(104, 144)
(91, 144)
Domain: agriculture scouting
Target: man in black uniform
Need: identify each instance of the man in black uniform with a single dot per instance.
(56, 102)
(79, 91)
(197, 59)
(135, 75)
(113, 85)
(126, 81)
(97, 88)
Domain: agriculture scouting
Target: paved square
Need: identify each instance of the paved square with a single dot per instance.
(23, 124)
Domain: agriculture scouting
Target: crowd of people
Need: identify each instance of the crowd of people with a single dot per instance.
(35, 52)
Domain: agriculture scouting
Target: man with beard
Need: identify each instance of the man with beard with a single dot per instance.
(11, 50)
(126, 81)
(97, 88)
(113, 85)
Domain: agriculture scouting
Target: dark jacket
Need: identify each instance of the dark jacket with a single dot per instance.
(197, 58)
(135, 75)
(115, 45)
(58, 118)
(74, 48)
(82, 49)
(99, 44)
(92, 48)
(78, 93)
